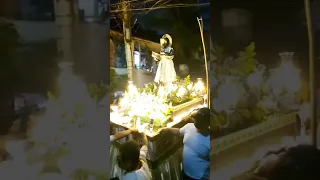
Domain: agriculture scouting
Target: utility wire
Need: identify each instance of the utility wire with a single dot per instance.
(163, 7)
(134, 2)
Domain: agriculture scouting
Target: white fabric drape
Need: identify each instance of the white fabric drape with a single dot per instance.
(165, 72)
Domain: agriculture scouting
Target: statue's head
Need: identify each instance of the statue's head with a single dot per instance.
(166, 41)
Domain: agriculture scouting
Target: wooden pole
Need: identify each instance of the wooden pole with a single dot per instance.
(126, 20)
(312, 66)
(200, 22)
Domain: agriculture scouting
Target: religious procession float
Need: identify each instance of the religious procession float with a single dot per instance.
(162, 103)
(250, 100)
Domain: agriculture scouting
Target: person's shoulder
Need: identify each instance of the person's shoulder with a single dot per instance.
(190, 125)
(130, 176)
(144, 172)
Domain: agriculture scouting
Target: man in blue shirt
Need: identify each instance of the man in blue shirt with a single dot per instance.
(196, 149)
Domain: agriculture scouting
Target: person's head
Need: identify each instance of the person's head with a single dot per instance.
(202, 119)
(299, 163)
(128, 158)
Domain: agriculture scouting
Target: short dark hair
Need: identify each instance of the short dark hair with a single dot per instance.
(299, 163)
(130, 152)
(202, 118)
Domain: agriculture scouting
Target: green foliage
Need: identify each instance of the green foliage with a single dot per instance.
(250, 63)
(146, 119)
(172, 98)
(98, 91)
(249, 110)
(51, 96)
(187, 80)
(121, 53)
(258, 114)
(219, 53)
(242, 65)
(150, 88)
(117, 82)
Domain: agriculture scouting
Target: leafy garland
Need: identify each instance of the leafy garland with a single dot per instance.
(243, 115)
(172, 98)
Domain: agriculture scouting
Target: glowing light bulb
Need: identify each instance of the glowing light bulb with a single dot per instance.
(170, 87)
(161, 91)
(199, 86)
(138, 125)
(228, 96)
(132, 89)
(181, 91)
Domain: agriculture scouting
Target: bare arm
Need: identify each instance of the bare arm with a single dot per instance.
(144, 147)
(173, 131)
(122, 134)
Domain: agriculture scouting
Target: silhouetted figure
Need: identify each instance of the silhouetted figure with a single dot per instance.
(297, 163)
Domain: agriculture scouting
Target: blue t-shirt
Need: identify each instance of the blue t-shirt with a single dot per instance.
(196, 153)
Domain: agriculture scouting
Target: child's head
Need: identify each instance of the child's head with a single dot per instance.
(202, 118)
(128, 158)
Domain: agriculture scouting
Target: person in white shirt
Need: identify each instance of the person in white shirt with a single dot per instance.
(133, 160)
(122, 134)
(196, 148)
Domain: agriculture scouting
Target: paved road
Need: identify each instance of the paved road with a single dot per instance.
(223, 164)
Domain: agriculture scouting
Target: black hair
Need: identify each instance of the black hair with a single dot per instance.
(299, 163)
(202, 118)
(130, 152)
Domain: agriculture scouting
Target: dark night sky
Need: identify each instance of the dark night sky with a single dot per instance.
(139, 30)
(277, 25)
(280, 13)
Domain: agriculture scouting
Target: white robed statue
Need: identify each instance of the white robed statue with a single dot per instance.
(165, 72)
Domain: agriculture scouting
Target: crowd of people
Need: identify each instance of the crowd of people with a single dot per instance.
(196, 150)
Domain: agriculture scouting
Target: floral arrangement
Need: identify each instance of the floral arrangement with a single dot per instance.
(246, 92)
(156, 101)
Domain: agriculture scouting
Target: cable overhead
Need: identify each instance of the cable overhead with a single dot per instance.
(163, 7)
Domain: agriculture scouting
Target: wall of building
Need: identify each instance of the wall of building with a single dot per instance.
(31, 31)
(91, 46)
(9, 8)
(88, 6)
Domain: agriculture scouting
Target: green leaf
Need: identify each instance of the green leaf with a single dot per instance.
(50, 95)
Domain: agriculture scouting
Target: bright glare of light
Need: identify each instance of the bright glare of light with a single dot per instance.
(199, 86)
(228, 94)
(286, 77)
(161, 91)
(255, 79)
(132, 89)
(181, 91)
(290, 76)
(144, 104)
(172, 87)
(71, 121)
